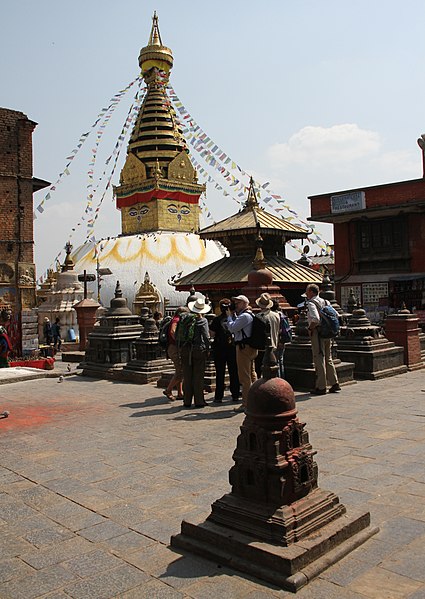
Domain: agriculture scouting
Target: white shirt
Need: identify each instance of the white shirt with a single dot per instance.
(312, 311)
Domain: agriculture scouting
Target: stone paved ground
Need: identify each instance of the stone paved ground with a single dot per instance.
(96, 476)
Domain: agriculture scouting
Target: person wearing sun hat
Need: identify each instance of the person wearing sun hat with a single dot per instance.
(265, 303)
(239, 322)
(194, 354)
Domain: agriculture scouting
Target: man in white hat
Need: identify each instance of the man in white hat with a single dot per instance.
(265, 302)
(194, 352)
(239, 322)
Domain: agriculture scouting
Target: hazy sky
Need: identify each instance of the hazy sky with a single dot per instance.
(311, 95)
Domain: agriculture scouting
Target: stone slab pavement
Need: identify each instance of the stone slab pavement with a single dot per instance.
(95, 477)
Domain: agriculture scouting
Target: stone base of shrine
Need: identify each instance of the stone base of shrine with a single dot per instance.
(144, 372)
(290, 567)
(302, 378)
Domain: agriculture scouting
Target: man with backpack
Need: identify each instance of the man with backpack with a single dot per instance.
(224, 354)
(271, 328)
(240, 323)
(194, 343)
(285, 336)
(321, 346)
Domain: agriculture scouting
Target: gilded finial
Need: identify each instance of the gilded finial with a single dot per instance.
(155, 36)
(259, 261)
(154, 54)
(251, 201)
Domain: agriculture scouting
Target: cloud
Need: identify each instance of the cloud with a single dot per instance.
(316, 146)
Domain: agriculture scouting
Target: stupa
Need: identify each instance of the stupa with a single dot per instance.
(60, 293)
(157, 196)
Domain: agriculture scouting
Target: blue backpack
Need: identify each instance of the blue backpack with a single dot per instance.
(285, 333)
(329, 326)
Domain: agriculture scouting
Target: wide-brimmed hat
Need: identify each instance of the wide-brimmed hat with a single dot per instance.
(241, 298)
(199, 306)
(264, 301)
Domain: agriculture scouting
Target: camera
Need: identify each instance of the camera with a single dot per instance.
(232, 306)
(224, 308)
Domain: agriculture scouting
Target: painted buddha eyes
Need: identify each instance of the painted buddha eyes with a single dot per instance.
(138, 212)
(173, 209)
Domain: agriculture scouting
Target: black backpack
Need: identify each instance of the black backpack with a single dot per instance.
(163, 332)
(260, 332)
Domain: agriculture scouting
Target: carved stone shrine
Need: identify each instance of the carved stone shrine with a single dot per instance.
(148, 361)
(276, 523)
(109, 344)
(365, 345)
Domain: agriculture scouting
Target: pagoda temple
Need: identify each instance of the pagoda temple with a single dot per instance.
(157, 196)
(239, 234)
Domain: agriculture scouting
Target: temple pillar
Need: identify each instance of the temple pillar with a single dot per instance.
(403, 329)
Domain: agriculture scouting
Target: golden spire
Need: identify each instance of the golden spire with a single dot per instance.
(252, 201)
(155, 36)
(155, 55)
(259, 261)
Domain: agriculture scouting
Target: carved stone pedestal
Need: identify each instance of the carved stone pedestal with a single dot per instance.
(365, 345)
(276, 523)
(148, 362)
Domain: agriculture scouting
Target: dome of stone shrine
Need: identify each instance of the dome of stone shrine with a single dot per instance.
(271, 398)
(157, 197)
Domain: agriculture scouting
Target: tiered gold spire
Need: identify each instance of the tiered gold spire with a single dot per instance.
(158, 185)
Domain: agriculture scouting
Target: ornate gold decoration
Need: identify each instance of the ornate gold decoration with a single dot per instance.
(133, 171)
(147, 295)
(181, 168)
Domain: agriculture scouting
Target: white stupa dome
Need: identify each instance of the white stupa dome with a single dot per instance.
(162, 255)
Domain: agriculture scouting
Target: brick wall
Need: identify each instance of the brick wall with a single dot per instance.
(16, 201)
(17, 269)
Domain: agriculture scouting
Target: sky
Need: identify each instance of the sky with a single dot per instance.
(311, 96)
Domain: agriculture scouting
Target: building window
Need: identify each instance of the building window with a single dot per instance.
(382, 245)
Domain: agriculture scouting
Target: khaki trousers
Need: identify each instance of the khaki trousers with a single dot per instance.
(245, 357)
(323, 364)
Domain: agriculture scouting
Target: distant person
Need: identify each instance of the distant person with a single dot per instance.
(224, 354)
(173, 353)
(194, 342)
(158, 318)
(47, 331)
(321, 348)
(56, 333)
(5, 343)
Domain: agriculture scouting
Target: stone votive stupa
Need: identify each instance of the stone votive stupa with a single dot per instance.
(276, 523)
(366, 346)
(109, 345)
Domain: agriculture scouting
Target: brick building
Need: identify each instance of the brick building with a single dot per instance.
(379, 240)
(17, 185)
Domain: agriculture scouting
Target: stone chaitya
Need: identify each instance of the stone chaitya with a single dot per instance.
(148, 361)
(109, 345)
(366, 346)
(276, 523)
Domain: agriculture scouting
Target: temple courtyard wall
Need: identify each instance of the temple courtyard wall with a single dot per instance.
(96, 476)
